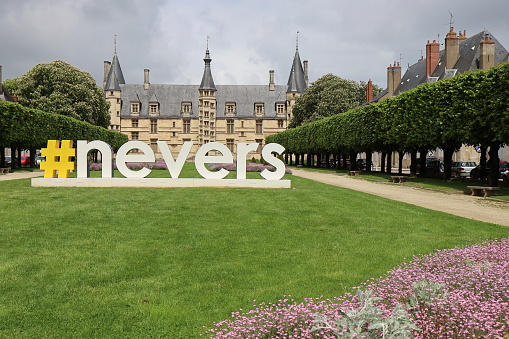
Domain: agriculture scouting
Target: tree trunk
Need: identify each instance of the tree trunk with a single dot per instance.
(2, 157)
(308, 163)
(448, 153)
(400, 165)
(14, 154)
(423, 153)
(369, 160)
(18, 157)
(482, 162)
(413, 163)
(32, 157)
(353, 161)
(389, 162)
(493, 174)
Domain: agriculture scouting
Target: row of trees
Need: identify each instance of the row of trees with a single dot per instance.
(57, 101)
(27, 128)
(472, 108)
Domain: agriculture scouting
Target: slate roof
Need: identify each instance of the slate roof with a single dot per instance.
(115, 77)
(4, 95)
(468, 61)
(207, 82)
(171, 97)
(297, 79)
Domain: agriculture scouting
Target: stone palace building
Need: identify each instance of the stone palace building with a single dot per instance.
(203, 113)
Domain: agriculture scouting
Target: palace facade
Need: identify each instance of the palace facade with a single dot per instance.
(203, 113)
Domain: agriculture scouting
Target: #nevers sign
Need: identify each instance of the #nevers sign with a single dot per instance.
(59, 163)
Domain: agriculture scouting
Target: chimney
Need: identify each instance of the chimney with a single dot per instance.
(464, 35)
(146, 83)
(452, 49)
(393, 77)
(107, 66)
(306, 73)
(487, 53)
(369, 91)
(272, 85)
(432, 56)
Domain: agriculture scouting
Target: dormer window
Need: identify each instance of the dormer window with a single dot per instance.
(259, 109)
(230, 108)
(280, 108)
(154, 108)
(135, 107)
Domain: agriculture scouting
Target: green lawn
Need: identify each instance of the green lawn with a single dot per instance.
(142, 262)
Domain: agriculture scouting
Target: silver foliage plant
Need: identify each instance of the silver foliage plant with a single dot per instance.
(367, 320)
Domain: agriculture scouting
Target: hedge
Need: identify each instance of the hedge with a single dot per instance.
(25, 127)
(471, 108)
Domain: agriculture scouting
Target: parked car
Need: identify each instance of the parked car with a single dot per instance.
(361, 164)
(39, 159)
(502, 168)
(8, 161)
(25, 161)
(435, 166)
(462, 168)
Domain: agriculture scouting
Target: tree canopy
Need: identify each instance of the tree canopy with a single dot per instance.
(61, 88)
(325, 97)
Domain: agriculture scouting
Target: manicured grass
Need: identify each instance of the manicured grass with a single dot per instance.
(142, 262)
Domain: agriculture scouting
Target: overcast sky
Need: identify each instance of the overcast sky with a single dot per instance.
(354, 39)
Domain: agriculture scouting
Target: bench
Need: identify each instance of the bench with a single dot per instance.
(399, 178)
(4, 170)
(355, 173)
(487, 191)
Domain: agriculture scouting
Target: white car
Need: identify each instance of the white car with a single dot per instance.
(462, 168)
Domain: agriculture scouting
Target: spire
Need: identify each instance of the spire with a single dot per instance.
(297, 79)
(207, 82)
(115, 76)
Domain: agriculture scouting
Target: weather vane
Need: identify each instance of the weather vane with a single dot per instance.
(297, 41)
(208, 37)
(115, 43)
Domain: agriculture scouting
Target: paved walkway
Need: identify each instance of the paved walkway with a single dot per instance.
(21, 175)
(467, 206)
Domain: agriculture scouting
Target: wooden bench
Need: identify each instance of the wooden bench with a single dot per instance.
(487, 191)
(399, 178)
(355, 173)
(4, 170)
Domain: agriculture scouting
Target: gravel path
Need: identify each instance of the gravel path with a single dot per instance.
(467, 206)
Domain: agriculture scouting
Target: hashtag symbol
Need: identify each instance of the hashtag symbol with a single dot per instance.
(58, 159)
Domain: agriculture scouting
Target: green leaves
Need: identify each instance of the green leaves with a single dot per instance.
(471, 108)
(327, 96)
(63, 89)
(26, 127)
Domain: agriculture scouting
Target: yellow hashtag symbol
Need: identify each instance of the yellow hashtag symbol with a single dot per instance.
(58, 159)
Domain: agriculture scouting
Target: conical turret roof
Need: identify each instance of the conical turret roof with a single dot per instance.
(207, 82)
(115, 76)
(297, 79)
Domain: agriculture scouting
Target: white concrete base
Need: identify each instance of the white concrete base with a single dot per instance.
(159, 182)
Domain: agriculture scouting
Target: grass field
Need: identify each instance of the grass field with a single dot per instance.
(141, 262)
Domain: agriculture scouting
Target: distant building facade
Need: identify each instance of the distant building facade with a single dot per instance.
(203, 113)
(461, 54)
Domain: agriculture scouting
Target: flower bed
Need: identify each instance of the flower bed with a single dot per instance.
(160, 164)
(452, 293)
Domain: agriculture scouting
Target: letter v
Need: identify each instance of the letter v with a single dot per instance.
(175, 166)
